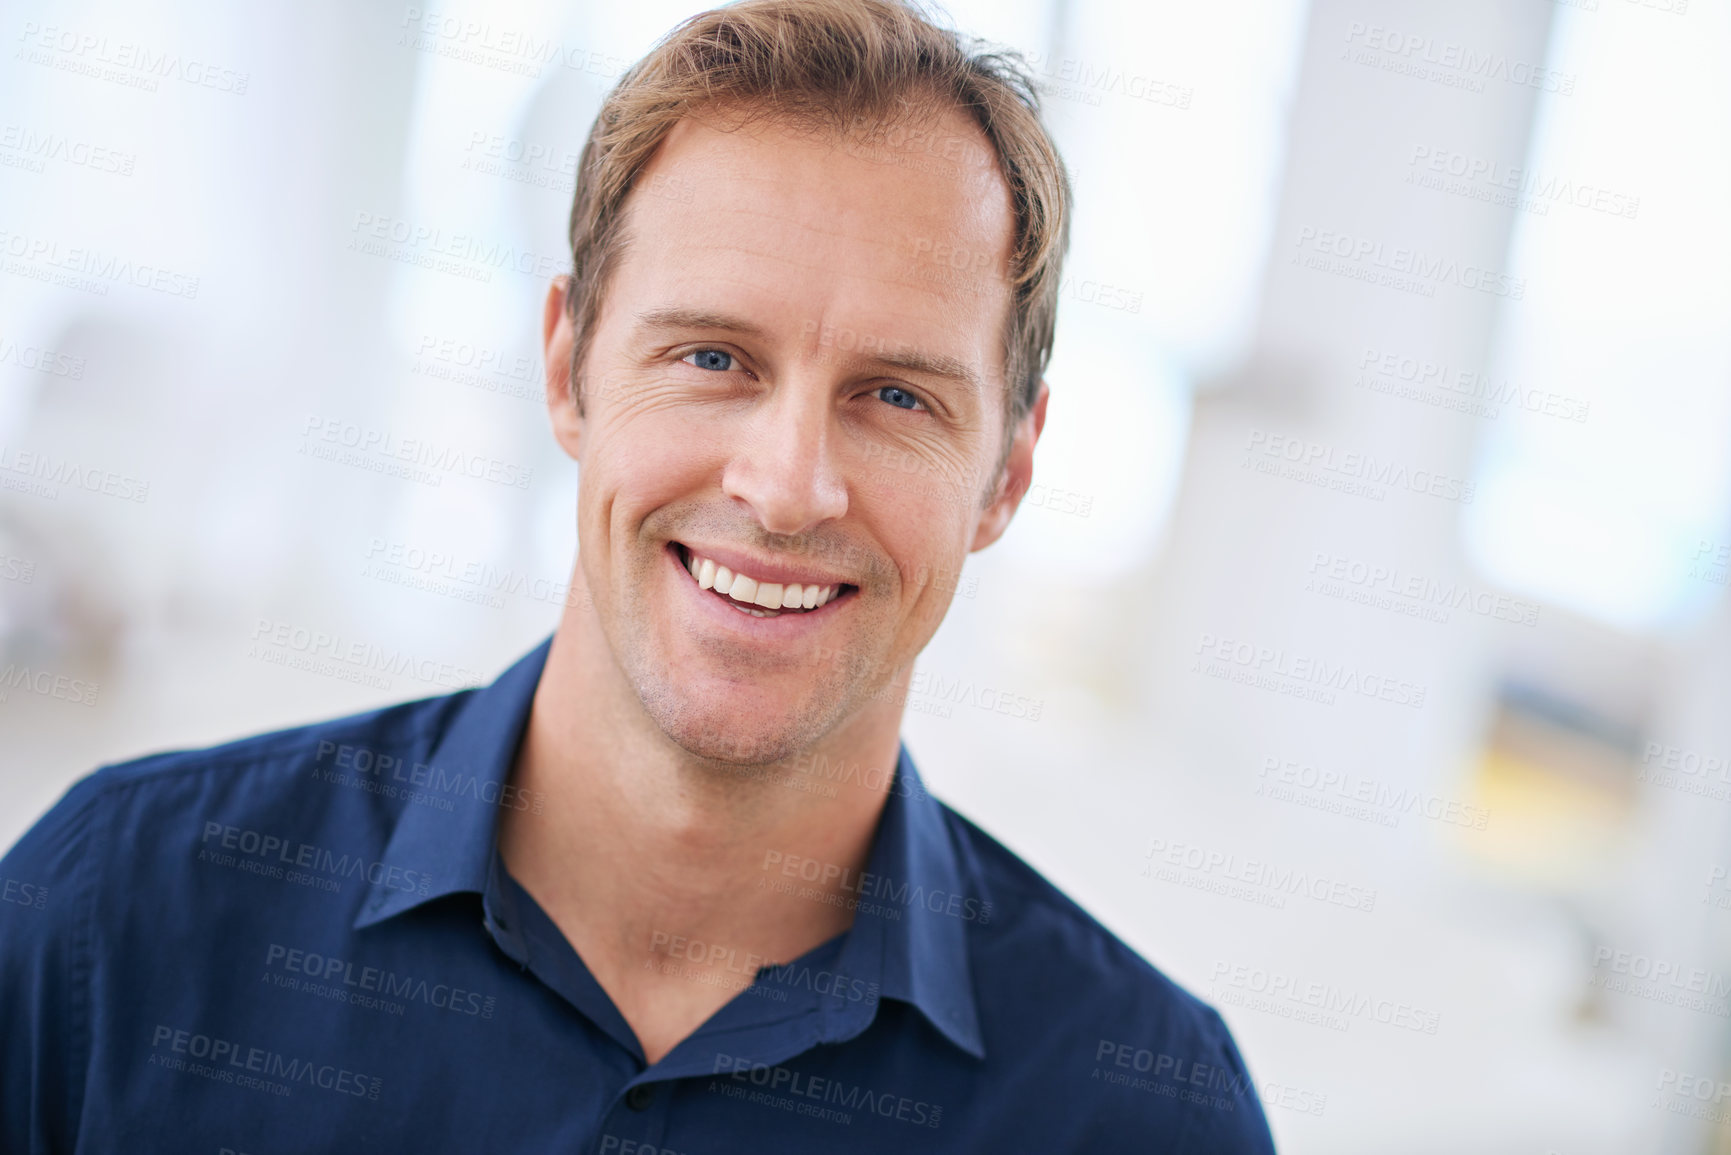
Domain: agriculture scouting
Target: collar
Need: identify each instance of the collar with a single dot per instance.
(910, 927)
(909, 933)
(466, 768)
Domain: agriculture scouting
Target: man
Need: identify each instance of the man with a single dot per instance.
(670, 884)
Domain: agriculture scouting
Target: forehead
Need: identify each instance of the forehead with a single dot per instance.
(901, 231)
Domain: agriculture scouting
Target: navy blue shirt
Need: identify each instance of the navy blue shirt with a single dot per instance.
(307, 942)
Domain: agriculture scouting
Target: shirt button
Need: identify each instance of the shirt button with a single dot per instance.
(640, 1096)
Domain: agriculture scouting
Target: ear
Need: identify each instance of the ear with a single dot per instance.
(557, 339)
(1017, 475)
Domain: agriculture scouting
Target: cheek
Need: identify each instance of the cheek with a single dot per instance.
(649, 459)
(920, 495)
(924, 526)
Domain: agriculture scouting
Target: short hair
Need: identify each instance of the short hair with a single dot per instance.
(838, 64)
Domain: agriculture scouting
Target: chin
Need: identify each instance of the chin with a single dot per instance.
(723, 739)
(734, 732)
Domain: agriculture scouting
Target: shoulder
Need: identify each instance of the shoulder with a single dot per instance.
(131, 864)
(1032, 919)
(386, 731)
(1125, 1039)
(137, 816)
(257, 776)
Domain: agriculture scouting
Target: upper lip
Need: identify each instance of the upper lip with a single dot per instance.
(764, 569)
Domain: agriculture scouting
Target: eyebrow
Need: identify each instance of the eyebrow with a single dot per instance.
(913, 361)
(676, 317)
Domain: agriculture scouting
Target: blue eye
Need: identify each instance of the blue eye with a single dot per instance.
(899, 397)
(712, 359)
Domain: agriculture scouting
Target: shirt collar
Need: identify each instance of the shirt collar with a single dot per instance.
(914, 907)
(909, 929)
(446, 829)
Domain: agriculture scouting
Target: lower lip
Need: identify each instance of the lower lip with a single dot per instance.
(721, 608)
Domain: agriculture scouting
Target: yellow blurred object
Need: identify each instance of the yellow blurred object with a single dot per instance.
(1560, 795)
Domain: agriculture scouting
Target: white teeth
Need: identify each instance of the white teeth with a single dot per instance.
(750, 592)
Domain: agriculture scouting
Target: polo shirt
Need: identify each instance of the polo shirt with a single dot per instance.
(307, 941)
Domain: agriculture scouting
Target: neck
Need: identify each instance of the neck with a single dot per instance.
(641, 850)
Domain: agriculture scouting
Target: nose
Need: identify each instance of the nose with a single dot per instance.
(786, 467)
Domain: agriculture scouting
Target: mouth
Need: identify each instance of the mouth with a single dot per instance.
(756, 596)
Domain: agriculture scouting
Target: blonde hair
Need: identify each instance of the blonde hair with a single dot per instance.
(836, 64)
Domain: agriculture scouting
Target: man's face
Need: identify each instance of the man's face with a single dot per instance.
(796, 376)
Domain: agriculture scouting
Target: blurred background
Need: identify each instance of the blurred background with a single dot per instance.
(1368, 610)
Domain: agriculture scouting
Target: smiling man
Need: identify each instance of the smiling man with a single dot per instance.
(671, 884)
